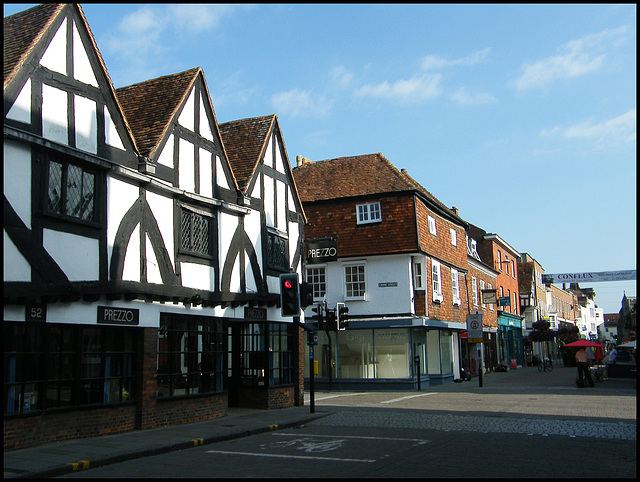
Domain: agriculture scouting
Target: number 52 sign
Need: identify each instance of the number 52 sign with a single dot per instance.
(36, 312)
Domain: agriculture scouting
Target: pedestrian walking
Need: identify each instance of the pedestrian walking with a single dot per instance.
(584, 374)
(613, 355)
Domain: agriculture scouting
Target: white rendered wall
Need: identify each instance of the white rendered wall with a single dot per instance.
(77, 256)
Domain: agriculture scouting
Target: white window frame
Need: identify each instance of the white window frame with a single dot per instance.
(474, 290)
(418, 275)
(432, 225)
(490, 286)
(436, 281)
(368, 213)
(314, 273)
(454, 237)
(455, 287)
(483, 304)
(363, 281)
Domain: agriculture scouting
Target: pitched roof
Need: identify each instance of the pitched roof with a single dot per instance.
(353, 176)
(151, 105)
(244, 141)
(22, 32)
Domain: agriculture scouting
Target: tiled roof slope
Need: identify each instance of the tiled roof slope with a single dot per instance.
(150, 106)
(244, 141)
(22, 32)
(363, 175)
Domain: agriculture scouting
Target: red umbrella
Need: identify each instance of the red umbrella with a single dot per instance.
(583, 342)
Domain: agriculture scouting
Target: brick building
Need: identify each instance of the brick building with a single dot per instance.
(396, 257)
(502, 257)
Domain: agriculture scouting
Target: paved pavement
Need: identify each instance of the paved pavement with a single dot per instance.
(75, 455)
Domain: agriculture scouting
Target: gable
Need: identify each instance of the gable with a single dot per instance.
(59, 90)
(175, 127)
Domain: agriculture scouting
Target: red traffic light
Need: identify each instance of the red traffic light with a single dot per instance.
(288, 285)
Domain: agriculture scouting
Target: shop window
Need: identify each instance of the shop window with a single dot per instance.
(71, 192)
(316, 278)
(191, 351)
(55, 366)
(267, 354)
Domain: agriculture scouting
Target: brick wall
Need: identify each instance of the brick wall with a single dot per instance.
(266, 398)
(395, 234)
(44, 428)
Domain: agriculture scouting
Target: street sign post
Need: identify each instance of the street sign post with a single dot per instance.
(474, 335)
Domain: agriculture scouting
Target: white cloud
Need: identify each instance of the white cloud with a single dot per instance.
(146, 36)
(341, 75)
(576, 58)
(300, 103)
(462, 96)
(618, 129)
(415, 89)
(433, 62)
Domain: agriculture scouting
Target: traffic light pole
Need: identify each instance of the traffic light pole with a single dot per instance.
(311, 335)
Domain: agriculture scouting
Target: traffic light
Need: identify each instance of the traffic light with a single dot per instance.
(319, 315)
(289, 295)
(331, 321)
(306, 295)
(341, 316)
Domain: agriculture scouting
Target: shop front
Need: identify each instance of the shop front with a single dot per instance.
(510, 347)
(386, 355)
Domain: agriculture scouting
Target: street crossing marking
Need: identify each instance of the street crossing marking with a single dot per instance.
(282, 456)
(341, 395)
(420, 441)
(408, 397)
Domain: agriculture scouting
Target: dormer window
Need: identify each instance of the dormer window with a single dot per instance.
(368, 213)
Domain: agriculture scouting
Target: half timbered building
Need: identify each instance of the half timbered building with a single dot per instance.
(142, 245)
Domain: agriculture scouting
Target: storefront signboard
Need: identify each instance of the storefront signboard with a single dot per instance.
(322, 251)
(118, 316)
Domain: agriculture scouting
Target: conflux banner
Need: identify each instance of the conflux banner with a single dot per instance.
(594, 277)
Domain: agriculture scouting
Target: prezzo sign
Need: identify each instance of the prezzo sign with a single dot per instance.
(119, 316)
(322, 251)
(589, 277)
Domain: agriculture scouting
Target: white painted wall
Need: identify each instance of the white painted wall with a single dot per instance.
(77, 256)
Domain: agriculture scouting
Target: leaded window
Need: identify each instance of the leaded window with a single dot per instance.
(277, 252)
(71, 191)
(196, 233)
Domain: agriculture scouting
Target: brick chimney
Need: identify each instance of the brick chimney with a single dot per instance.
(301, 161)
(454, 210)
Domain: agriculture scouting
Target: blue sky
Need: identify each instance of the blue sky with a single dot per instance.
(521, 116)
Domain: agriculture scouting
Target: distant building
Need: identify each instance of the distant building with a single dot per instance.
(627, 320)
(608, 331)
